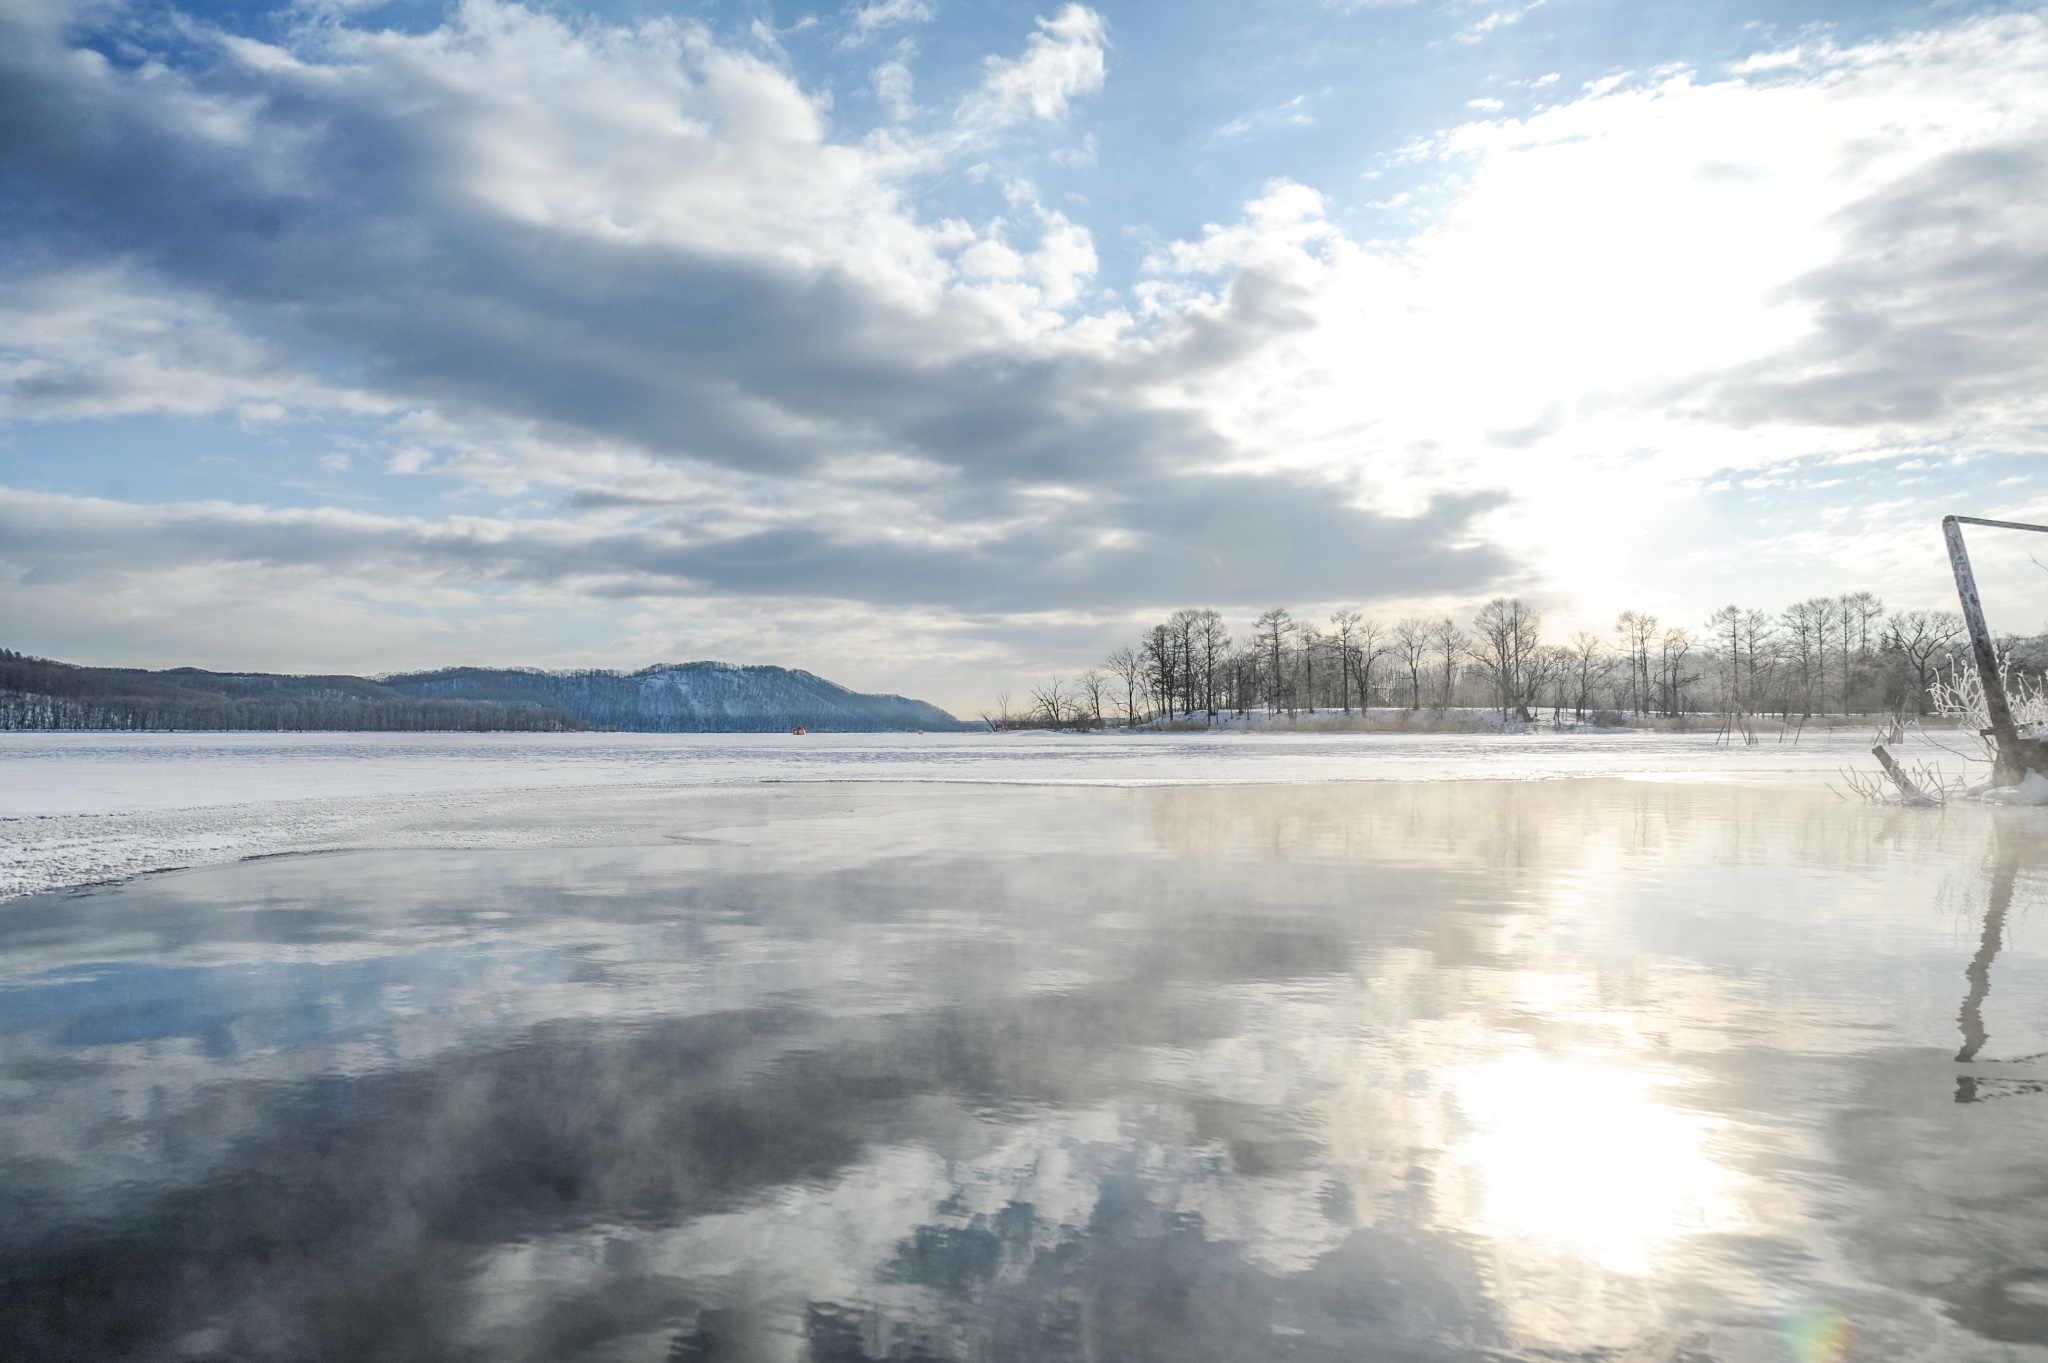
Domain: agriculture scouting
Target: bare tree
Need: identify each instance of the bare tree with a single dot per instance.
(1550, 666)
(1368, 646)
(1725, 629)
(1448, 643)
(1855, 612)
(1815, 653)
(1673, 679)
(1126, 666)
(1411, 646)
(998, 719)
(1759, 656)
(1807, 644)
(1053, 701)
(1637, 629)
(1270, 634)
(1588, 663)
(1162, 668)
(1343, 637)
(1869, 608)
(1089, 694)
(1311, 643)
(1211, 650)
(1505, 643)
(1922, 640)
(1243, 666)
(1184, 625)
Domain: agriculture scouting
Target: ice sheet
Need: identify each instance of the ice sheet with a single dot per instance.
(78, 808)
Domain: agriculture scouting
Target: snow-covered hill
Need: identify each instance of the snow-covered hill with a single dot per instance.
(685, 698)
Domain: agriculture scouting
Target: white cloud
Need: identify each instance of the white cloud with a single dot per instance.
(638, 148)
(1062, 61)
(101, 341)
(243, 586)
(654, 135)
(894, 85)
(1082, 155)
(865, 20)
(1289, 113)
(1484, 27)
(1626, 293)
(639, 273)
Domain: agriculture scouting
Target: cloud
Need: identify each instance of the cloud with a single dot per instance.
(1611, 301)
(641, 280)
(1480, 29)
(894, 85)
(573, 1089)
(942, 611)
(1290, 113)
(84, 341)
(1522, 437)
(865, 21)
(636, 269)
(1932, 314)
(1062, 62)
(1236, 540)
(634, 234)
(631, 231)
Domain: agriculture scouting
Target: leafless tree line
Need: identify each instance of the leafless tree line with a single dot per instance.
(1827, 655)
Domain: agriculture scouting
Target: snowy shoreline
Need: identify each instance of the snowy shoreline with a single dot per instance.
(85, 808)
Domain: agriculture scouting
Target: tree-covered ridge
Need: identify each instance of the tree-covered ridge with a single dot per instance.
(36, 693)
(699, 697)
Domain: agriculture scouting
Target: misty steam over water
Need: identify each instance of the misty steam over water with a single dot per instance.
(1398, 1071)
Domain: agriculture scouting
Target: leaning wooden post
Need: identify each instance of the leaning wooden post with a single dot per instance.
(2011, 765)
(1907, 790)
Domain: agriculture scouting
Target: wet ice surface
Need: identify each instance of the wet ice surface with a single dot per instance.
(84, 808)
(100, 772)
(1582, 1069)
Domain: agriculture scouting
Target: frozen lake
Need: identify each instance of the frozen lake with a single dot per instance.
(80, 808)
(93, 773)
(1419, 1069)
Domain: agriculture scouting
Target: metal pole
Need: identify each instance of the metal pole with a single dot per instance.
(2000, 525)
(2011, 765)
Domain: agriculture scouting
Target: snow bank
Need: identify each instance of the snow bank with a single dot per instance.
(2032, 789)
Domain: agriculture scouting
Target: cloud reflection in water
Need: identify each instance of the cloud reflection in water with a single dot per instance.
(1422, 1072)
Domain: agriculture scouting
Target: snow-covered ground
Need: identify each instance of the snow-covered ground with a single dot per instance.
(77, 808)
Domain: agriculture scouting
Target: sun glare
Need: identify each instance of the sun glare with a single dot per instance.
(1586, 1158)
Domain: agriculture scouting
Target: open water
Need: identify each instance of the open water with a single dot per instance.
(1583, 1069)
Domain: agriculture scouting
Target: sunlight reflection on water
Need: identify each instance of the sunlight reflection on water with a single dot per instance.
(1586, 1156)
(1433, 1072)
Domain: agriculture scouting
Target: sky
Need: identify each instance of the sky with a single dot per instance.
(939, 347)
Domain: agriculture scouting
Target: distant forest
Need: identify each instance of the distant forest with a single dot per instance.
(699, 697)
(1826, 655)
(38, 694)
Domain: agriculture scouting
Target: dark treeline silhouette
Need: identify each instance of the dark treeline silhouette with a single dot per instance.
(1827, 655)
(36, 693)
